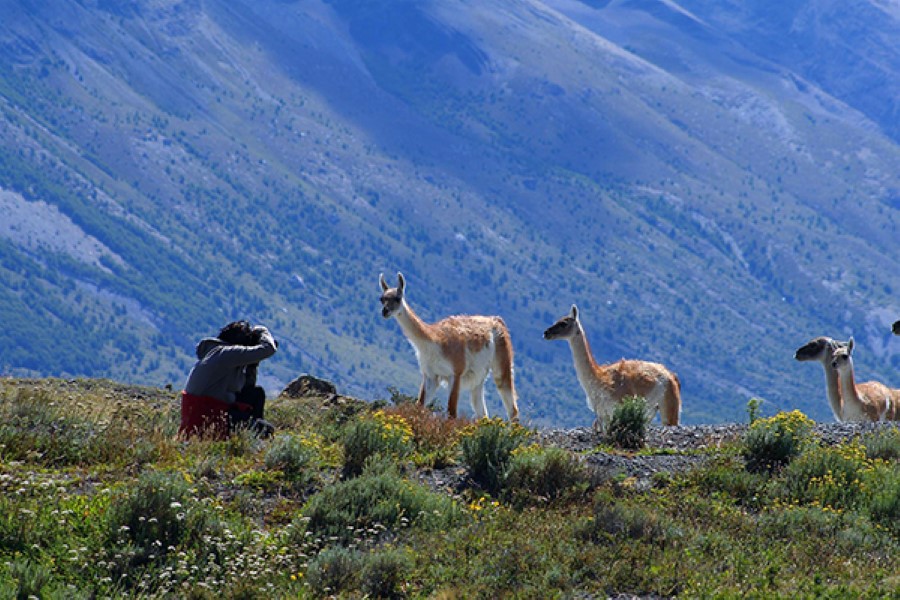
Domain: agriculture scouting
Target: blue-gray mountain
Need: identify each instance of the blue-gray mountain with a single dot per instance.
(713, 183)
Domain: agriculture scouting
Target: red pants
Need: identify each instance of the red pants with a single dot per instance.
(205, 416)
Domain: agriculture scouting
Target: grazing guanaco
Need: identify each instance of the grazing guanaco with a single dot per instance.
(869, 401)
(458, 350)
(822, 349)
(607, 385)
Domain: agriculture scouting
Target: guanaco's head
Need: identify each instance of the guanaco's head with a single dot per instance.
(391, 298)
(896, 328)
(820, 349)
(564, 328)
(843, 357)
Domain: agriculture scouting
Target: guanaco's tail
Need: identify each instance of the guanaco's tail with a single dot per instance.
(503, 369)
(670, 407)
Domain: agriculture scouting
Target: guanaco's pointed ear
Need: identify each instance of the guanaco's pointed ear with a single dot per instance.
(574, 313)
(401, 283)
(850, 346)
(384, 285)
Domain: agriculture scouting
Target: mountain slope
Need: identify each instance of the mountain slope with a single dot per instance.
(707, 201)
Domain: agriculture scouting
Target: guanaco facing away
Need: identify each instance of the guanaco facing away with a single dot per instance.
(869, 401)
(607, 385)
(459, 350)
(822, 349)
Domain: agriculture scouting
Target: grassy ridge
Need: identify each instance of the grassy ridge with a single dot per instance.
(99, 499)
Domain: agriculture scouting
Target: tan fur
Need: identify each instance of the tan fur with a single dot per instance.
(458, 350)
(869, 401)
(607, 385)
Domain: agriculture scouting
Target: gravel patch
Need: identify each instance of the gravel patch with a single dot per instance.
(674, 450)
(669, 450)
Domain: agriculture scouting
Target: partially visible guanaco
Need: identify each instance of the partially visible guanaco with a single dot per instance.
(869, 401)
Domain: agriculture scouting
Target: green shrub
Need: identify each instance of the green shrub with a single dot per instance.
(290, 454)
(384, 572)
(883, 502)
(381, 434)
(359, 506)
(884, 444)
(771, 443)
(833, 477)
(538, 474)
(793, 522)
(30, 580)
(724, 476)
(333, 571)
(26, 578)
(157, 513)
(487, 447)
(613, 520)
(753, 405)
(627, 427)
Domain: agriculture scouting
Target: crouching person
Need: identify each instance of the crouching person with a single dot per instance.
(221, 393)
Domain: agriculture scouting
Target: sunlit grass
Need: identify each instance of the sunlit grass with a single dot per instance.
(98, 498)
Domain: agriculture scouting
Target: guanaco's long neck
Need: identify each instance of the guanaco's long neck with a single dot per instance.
(414, 328)
(849, 394)
(833, 390)
(585, 365)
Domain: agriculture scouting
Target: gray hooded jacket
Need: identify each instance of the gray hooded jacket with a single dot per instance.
(220, 368)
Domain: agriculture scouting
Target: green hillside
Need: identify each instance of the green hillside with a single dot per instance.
(172, 165)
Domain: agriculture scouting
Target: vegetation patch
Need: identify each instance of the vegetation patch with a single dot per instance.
(279, 518)
(627, 427)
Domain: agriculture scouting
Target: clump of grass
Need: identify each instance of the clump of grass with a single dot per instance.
(28, 579)
(374, 501)
(793, 521)
(289, 454)
(832, 477)
(487, 448)
(612, 520)
(884, 444)
(727, 475)
(384, 573)
(771, 443)
(158, 513)
(753, 405)
(338, 571)
(294, 456)
(537, 474)
(333, 571)
(379, 435)
(883, 504)
(627, 427)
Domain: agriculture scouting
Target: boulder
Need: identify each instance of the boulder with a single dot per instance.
(306, 385)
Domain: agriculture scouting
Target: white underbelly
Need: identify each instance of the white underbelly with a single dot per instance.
(477, 366)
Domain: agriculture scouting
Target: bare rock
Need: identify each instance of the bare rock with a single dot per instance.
(307, 385)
